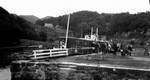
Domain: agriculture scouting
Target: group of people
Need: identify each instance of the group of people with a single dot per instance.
(114, 47)
(105, 47)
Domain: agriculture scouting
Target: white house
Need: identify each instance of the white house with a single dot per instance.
(49, 25)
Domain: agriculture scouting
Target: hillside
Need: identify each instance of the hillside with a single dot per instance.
(46, 17)
(30, 18)
(120, 25)
(13, 28)
(81, 21)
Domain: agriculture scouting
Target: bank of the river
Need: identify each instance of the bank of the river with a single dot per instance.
(84, 67)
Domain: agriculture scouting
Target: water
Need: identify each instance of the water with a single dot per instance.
(5, 73)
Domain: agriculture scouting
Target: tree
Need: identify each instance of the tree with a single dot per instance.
(39, 22)
(43, 36)
(83, 28)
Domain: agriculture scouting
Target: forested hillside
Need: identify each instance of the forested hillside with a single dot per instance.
(81, 22)
(13, 28)
(121, 24)
(30, 18)
(131, 25)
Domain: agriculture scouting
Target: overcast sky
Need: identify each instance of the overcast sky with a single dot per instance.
(42, 8)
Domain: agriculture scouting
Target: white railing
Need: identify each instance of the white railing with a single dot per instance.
(46, 53)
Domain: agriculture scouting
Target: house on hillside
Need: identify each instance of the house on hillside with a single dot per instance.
(49, 25)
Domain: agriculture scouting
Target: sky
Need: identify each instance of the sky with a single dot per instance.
(55, 8)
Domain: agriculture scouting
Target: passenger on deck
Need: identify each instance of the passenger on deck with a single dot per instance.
(103, 48)
(95, 45)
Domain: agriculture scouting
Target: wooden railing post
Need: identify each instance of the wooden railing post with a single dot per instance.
(66, 52)
(34, 54)
(50, 52)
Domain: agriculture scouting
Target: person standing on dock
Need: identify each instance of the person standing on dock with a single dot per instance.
(146, 47)
(115, 48)
(129, 47)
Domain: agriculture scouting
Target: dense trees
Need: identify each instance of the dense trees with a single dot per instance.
(13, 28)
(81, 22)
(130, 25)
